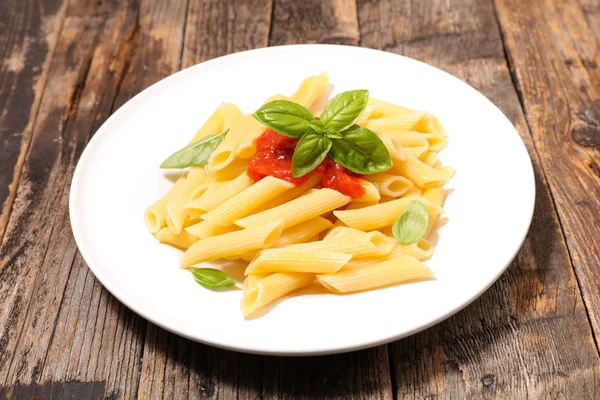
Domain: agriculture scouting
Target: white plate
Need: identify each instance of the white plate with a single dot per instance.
(489, 209)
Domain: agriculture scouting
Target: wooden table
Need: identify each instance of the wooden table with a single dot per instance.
(65, 66)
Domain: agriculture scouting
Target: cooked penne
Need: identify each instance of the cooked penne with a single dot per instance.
(243, 203)
(397, 270)
(261, 292)
(381, 215)
(297, 260)
(420, 173)
(436, 196)
(390, 185)
(272, 194)
(421, 250)
(299, 210)
(231, 244)
(176, 216)
(214, 198)
(182, 240)
(303, 232)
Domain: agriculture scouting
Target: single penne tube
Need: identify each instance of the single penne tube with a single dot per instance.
(176, 216)
(181, 241)
(213, 125)
(262, 291)
(205, 229)
(367, 112)
(211, 199)
(245, 148)
(429, 124)
(290, 195)
(435, 195)
(430, 158)
(406, 138)
(400, 122)
(246, 201)
(358, 244)
(381, 215)
(401, 269)
(420, 173)
(437, 142)
(298, 210)
(303, 231)
(371, 193)
(224, 154)
(413, 191)
(421, 250)
(310, 90)
(416, 152)
(232, 243)
(155, 216)
(288, 259)
(390, 185)
(383, 109)
(231, 171)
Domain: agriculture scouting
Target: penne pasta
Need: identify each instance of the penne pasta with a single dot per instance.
(390, 185)
(310, 90)
(260, 292)
(155, 216)
(182, 240)
(406, 138)
(381, 215)
(421, 250)
(213, 198)
(299, 210)
(371, 193)
(205, 229)
(290, 195)
(176, 216)
(303, 232)
(232, 244)
(213, 125)
(356, 243)
(383, 109)
(436, 196)
(397, 270)
(246, 201)
(297, 260)
(431, 159)
(400, 122)
(420, 173)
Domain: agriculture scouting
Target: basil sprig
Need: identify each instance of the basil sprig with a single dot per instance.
(212, 279)
(411, 225)
(194, 154)
(334, 133)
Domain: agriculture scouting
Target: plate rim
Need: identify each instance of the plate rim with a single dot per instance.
(113, 290)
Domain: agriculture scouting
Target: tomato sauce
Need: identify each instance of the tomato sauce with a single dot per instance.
(274, 157)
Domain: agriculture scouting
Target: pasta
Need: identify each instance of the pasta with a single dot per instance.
(254, 191)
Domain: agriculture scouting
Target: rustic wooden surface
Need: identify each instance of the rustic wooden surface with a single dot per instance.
(65, 66)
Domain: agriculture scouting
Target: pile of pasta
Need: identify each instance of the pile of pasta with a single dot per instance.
(292, 236)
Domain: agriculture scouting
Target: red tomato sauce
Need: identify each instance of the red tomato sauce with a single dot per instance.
(274, 157)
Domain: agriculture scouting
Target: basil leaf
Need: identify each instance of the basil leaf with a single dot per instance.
(311, 149)
(284, 117)
(344, 109)
(331, 134)
(361, 151)
(316, 126)
(194, 154)
(411, 225)
(212, 279)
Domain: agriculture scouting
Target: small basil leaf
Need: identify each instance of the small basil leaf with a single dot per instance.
(344, 109)
(311, 149)
(285, 117)
(194, 154)
(411, 225)
(212, 279)
(361, 151)
(316, 126)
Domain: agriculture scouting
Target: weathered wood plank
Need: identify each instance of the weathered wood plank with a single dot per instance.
(29, 29)
(57, 323)
(328, 21)
(553, 51)
(528, 336)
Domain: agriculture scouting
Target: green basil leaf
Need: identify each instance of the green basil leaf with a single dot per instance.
(331, 134)
(285, 117)
(316, 126)
(411, 225)
(361, 151)
(212, 279)
(311, 149)
(344, 109)
(194, 154)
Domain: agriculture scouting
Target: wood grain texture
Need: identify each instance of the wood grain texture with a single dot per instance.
(327, 21)
(553, 51)
(29, 29)
(528, 336)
